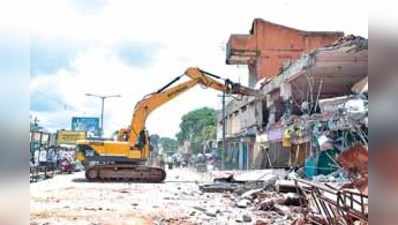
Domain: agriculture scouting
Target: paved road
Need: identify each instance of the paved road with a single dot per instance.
(69, 199)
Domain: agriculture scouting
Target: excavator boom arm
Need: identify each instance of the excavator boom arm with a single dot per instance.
(167, 93)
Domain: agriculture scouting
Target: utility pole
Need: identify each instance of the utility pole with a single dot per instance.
(103, 97)
(102, 115)
(224, 142)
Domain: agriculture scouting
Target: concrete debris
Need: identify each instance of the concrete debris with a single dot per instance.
(276, 198)
(282, 210)
(267, 204)
(354, 43)
(219, 187)
(212, 212)
(292, 199)
(285, 186)
(241, 183)
(251, 194)
(249, 186)
(262, 222)
(200, 208)
(229, 178)
(246, 218)
(248, 175)
(244, 203)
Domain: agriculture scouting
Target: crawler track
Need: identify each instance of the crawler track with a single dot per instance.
(126, 172)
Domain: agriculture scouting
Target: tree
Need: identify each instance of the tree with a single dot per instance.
(169, 144)
(198, 126)
(209, 132)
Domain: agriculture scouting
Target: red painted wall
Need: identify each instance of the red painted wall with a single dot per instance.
(269, 45)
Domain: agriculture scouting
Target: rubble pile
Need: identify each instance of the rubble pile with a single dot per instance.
(268, 200)
(323, 120)
(290, 199)
(352, 42)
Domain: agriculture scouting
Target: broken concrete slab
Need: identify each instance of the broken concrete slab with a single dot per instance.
(285, 186)
(220, 187)
(246, 218)
(212, 212)
(244, 203)
(292, 199)
(281, 209)
(251, 194)
(263, 222)
(249, 175)
(267, 204)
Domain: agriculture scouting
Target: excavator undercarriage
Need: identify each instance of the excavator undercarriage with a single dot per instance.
(113, 168)
(125, 172)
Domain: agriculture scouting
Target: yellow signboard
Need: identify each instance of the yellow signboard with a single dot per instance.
(70, 137)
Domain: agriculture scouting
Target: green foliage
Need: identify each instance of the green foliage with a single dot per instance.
(209, 132)
(198, 126)
(168, 144)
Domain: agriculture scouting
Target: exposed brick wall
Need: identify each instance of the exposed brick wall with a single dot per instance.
(269, 45)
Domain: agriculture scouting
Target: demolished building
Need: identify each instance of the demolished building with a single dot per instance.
(311, 118)
(323, 82)
(315, 92)
(265, 50)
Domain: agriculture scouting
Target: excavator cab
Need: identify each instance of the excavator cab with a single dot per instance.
(141, 140)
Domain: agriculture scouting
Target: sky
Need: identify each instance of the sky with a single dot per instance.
(133, 48)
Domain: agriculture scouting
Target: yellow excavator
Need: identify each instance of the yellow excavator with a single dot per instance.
(125, 158)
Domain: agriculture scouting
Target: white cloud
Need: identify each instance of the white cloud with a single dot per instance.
(191, 33)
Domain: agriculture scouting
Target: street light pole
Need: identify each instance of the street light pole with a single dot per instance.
(102, 115)
(103, 97)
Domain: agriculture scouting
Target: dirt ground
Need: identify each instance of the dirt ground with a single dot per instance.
(70, 199)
